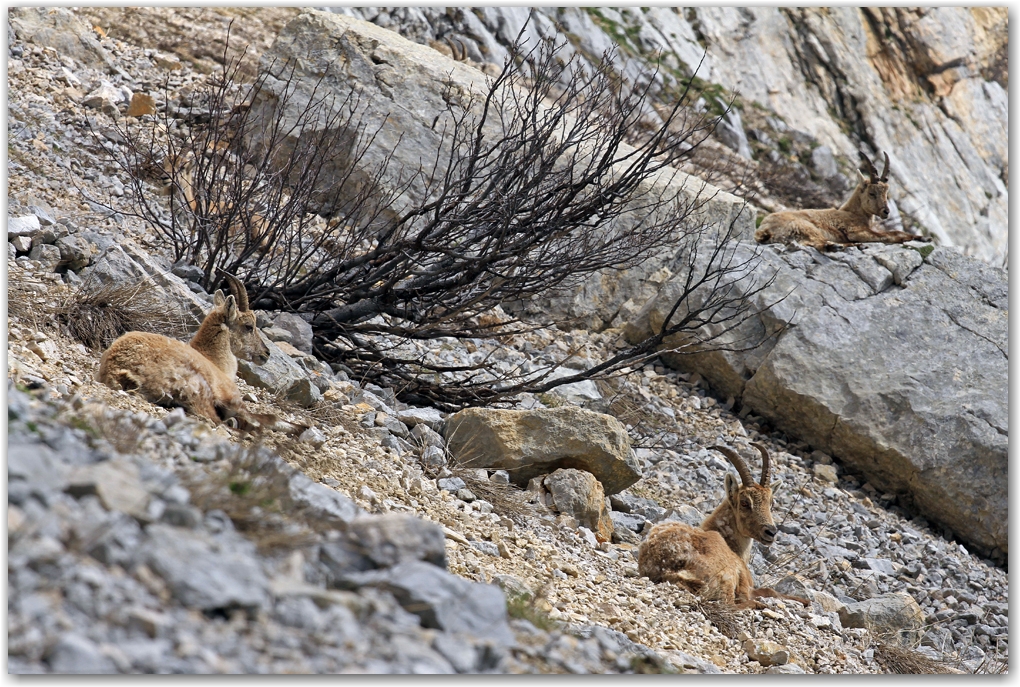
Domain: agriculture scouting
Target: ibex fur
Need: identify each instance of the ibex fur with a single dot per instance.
(199, 375)
(844, 226)
(711, 561)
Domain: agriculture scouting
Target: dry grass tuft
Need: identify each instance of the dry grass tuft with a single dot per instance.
(118, 429)
(257, 501)
(26, 298)
(896, 659)
(96, 314)
(531, 607)
(325, 414)
(725, 617)
(506, 499)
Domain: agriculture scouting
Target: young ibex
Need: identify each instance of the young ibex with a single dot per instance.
(836, 228)
(711, 561)
(199, 376)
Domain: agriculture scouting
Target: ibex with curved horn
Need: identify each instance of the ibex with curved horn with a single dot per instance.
(711, 561)
(844, 226)
(199, 375)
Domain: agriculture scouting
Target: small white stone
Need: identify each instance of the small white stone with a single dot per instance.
(313, 437)
(367, 494)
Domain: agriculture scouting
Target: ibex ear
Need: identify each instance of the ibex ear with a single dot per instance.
(217, 298)
(732, 487)
(775, 487)
(231, 307)
(861, 178)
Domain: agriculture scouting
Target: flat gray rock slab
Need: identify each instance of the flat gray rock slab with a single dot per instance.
(897, 618)
(445, 601)
(393, 538)
(73, 653)
(205, 572)
(320, 501)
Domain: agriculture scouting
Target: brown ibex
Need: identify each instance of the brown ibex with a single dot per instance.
(844, 226)
(711, 561)
(199, 375)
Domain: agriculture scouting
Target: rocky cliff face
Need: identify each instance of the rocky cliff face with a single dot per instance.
(927, 85)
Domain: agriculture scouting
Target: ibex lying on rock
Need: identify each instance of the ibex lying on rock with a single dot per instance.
(835, 228)
(712, 561)
(200, 375)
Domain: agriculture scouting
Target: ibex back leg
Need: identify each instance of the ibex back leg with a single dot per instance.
(760, 592)
(204, 406)
(885, 237)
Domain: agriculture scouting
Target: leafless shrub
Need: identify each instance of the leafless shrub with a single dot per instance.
(528, 211)
(256, 501)
(232, 192)
(792, 186)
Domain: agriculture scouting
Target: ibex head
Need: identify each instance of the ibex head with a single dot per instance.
(874, 188)
(751, 502)
(245, 342)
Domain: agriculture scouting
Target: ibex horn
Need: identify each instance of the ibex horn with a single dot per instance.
(766, 463)
(238, 290)
(885, 169)
(869, 167)
(455, 49)
(738, 463)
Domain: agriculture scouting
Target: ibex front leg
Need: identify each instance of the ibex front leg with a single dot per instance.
(871, 235)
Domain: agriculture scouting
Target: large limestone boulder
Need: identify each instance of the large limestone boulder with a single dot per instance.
(400, 85)
(530, 443)
(892, 362)
(406, 88)
(280, 375)
(60, 29)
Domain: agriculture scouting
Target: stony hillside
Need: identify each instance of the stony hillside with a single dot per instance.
(143, 540)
